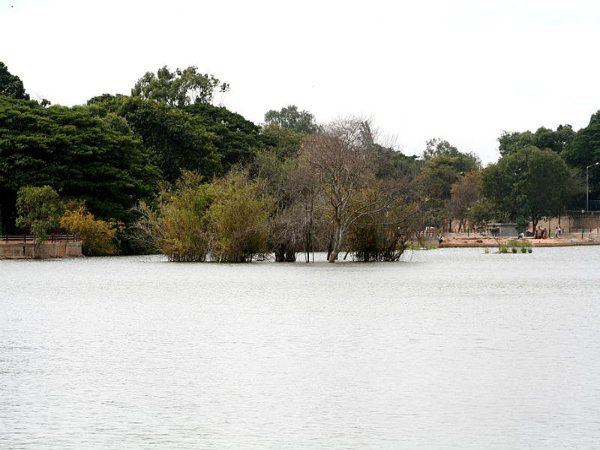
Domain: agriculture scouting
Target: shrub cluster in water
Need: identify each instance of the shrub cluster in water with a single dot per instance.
(236, 219)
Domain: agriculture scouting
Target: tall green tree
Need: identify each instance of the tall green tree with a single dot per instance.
(529, 183)
(39, 210)
(178, 88)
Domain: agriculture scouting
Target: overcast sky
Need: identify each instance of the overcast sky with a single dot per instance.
(460, 70)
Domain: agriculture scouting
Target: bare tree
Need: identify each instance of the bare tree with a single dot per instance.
(342, 168)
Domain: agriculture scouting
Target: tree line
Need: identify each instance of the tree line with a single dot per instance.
(164, 169)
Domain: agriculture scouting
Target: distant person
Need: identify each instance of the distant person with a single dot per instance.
(557, 232)
(520, 235)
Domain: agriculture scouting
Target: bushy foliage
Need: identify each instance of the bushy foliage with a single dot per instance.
(99, 237)
(382, 236)
(227, 220)
(177, 226)
(239, 219)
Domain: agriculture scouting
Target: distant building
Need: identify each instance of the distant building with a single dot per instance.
(502, 229)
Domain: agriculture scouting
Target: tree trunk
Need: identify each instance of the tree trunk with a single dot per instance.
(280, 254)
(337, 243)
(290, 255)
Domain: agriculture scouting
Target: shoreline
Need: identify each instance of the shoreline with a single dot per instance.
(473, 242)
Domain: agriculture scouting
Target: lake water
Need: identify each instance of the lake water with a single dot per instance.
(448, 349)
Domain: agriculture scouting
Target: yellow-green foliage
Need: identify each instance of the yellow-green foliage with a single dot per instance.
(183, 219)
(239, 219)
(177, 226)
(227, 220)
(519, 243)
(99, 237)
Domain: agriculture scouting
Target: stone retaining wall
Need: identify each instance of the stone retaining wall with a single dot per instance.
(24, 250)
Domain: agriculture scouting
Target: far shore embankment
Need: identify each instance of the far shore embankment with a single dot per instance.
(566, 240)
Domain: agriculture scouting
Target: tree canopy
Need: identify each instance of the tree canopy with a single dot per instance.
(11, 85)
(556, 140)
(77, 154)
(530, 183)
(290, 117)
(179, 88)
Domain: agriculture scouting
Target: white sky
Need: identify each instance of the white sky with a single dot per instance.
(460, 70)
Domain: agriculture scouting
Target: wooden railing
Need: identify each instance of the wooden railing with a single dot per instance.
(31, 238)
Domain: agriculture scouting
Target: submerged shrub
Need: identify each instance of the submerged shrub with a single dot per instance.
(177, 226)
(382, 236)
(239, 219)
(519, 243)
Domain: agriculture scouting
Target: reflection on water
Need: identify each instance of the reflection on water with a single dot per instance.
(449, 349)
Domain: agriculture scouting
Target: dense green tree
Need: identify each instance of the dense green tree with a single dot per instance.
(39, 210)
(290, 117)
(530, 183)
(484, 211)
(556, 140)
(200, 137)
(511, 142)
(178, 88)
(393, 164)
(175, 140)
(437, 147)
(77, 154)
(236, 138)
(584, 151)
(11, 85)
